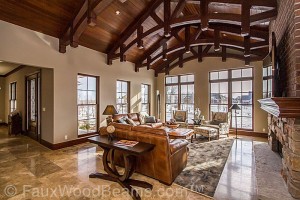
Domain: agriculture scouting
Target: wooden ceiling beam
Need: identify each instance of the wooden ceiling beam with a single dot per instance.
(178, 9)
(187, 39)
(224, 54)
(224, 27)
(155, 46)
(204, 14)
(217, 39)
(247, 46)
(245, 18)
(266, 16)
(84, 17)
(133, 26)
(200, 57)
(167, 17)
(192, 57)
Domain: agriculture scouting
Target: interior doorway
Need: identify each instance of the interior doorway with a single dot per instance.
(33, 106)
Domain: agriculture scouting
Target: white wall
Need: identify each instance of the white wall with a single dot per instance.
(20, 45)
(201, 72)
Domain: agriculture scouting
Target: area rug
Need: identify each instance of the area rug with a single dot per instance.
(205, 164)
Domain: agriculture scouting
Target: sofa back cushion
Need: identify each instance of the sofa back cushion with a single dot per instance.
(150, 130)
(127, 127)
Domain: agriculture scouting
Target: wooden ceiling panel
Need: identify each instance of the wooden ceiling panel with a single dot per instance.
(49, 17)
(179, 25)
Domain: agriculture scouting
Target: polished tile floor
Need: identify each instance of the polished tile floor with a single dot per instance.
(238, 180)
(31, 171)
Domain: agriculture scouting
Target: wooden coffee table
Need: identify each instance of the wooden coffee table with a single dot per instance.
(129, 155)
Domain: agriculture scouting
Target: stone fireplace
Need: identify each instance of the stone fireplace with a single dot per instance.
(284, 137)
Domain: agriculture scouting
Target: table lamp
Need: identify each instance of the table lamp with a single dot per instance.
(109, 110)
(235, 107)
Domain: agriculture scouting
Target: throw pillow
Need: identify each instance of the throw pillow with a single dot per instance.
(122, 120)
(131, 122)
(150, 119)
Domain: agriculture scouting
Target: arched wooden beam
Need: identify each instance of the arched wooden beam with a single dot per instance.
(202, 42)
(193, 20)
(218, 55)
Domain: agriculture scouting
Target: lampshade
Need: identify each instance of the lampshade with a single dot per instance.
(110, 110)
(235, 107)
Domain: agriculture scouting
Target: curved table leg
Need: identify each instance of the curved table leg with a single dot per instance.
(124, 180)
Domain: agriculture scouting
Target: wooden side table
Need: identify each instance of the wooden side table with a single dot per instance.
(129, 155)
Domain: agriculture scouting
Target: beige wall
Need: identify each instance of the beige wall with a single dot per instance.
(36, 49)
(46, 97)
(201, 72)
(2, 100)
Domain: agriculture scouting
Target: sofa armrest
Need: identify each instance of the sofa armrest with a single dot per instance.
(177, 144)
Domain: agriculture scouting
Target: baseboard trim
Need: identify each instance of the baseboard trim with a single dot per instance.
(250, 133)
(65, 144)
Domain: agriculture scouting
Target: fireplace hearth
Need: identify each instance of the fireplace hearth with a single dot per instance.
(284, 137)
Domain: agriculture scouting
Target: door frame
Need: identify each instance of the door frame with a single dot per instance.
(38, 105)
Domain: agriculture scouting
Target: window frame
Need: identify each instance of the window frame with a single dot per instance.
(128, 95)
(267, 78)
(11, 99)
(97, 104)
(230, 80)
(148, 86)
(178, 84)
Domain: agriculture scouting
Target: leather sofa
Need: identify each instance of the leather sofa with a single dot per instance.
(165, 162)
(136, 117)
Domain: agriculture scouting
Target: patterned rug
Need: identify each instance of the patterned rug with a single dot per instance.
(206, 161)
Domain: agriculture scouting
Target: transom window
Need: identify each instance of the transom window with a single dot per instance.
(87, 103)
(145, 98)
(179, 95)
(13, 96)
(267, 82)
(233, 86)
(123, 97)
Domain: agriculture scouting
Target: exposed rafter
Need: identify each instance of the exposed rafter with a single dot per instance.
(85, 16)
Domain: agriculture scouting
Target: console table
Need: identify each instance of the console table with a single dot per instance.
(129, 155)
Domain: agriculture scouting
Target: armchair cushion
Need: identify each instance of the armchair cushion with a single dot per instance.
(180, 115)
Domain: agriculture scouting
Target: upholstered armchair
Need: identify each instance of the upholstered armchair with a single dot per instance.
(220, 121)
(181, 117)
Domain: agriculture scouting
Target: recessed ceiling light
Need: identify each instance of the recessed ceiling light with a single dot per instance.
(165, 59)
(215, 12)
(224, 35)
(118, 12)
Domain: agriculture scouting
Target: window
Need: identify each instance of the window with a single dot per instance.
(233, 87)
(123, 97)
(145, 95)
(87, 103)
(267, 82)
(179, 95)
(13, 96)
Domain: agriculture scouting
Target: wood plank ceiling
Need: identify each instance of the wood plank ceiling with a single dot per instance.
(156, 34)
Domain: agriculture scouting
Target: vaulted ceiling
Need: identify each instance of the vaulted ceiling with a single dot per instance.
(156, 34)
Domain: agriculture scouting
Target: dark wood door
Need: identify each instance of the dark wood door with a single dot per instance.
(32, 106)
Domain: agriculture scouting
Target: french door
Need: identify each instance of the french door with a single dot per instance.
(33, 106)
